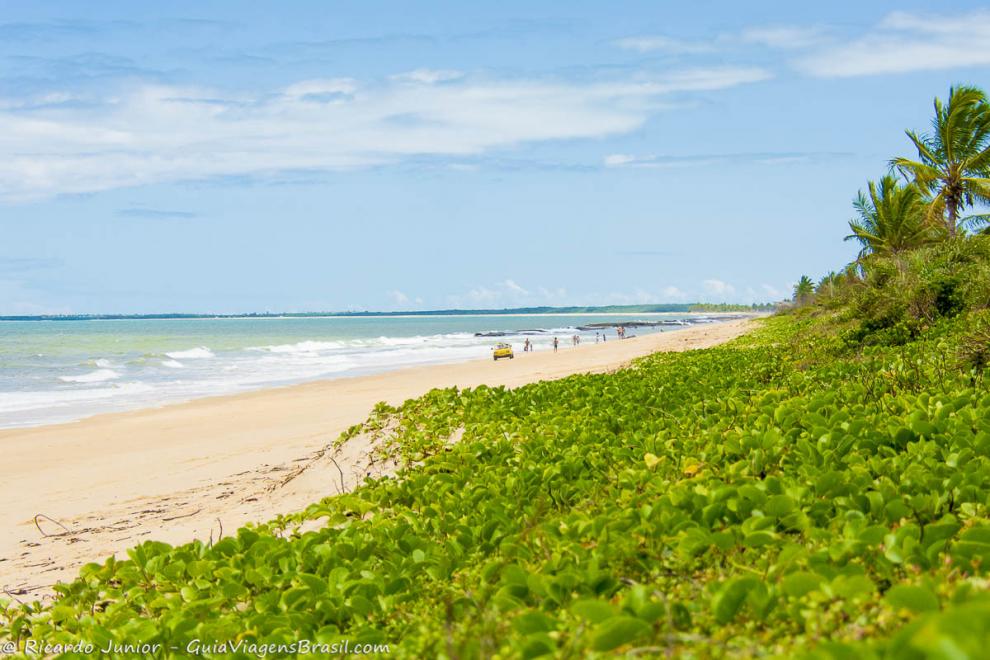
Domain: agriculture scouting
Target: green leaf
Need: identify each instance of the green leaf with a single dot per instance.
(537, 646)
(533, 622)
(618, 631)
(759, 539)
(731, 598)
(853, 586)
(801, 583)
(915, 599)
(780, 505)
(594, 611)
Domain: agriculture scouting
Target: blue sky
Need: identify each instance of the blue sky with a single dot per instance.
(226, 157)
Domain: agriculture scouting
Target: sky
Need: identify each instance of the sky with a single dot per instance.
(224, 157)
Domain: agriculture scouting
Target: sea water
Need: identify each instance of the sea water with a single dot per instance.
(63, 370)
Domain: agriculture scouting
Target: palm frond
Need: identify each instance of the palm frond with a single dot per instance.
(976, 222)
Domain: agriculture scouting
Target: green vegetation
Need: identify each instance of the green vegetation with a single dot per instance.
(819, 487)
(765, 496)
(891, 219)
(954, 159)
(804, 290)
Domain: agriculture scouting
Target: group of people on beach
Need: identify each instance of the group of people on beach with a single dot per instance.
(529, 346)
(620, 332)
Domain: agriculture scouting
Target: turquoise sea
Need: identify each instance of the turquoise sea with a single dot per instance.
(57, 371)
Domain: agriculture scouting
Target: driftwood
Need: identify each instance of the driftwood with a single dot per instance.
(50, 519)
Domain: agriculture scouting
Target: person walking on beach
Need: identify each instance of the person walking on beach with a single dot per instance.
(597, 337)
(554, 344)
(526, 345)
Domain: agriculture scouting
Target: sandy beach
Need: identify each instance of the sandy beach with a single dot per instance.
(79, 492)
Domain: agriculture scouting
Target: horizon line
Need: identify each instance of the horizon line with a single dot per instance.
(644, 308)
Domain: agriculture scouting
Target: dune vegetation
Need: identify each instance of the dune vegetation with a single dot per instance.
(817, 488)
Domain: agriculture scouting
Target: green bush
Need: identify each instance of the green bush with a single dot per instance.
(898, 297)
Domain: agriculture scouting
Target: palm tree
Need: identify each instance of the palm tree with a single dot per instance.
(804, 290)
(954, 159)
(891, 218)
(828, 285)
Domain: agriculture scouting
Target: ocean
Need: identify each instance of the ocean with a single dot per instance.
(58, 371)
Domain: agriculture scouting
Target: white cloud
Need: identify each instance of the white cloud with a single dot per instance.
(428, 76)
(637, 297)
(508, 293)
(317, 90)
(483, 295)
(658, 43)
(515, 288)
(398, 297)
(773, 292)
(620, 160)
(553, 296)
(673, 293)
(651, 161)
(783, 159)
(900, 20)
(718, 287)
(899, 43)
(904, 42)
(770, 36)
(157, 133)
(784, 37)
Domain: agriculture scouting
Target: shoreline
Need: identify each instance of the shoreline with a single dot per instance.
(128, 388)
(182, 471)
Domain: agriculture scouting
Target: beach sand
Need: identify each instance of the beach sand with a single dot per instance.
(184, 471)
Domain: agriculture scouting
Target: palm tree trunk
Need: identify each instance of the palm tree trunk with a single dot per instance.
(952, 205)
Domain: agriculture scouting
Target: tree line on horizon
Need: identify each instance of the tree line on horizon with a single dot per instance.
(922, 201)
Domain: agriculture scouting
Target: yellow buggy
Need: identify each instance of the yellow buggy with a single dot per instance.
(502, 351)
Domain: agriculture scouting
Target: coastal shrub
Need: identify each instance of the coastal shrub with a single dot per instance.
(974, 346)
(897, 297)
(779, 495)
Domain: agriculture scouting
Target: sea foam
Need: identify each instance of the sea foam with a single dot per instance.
(199, 353)
(301, 347)
(97, 376)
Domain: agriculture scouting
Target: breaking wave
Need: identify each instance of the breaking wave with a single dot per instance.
(98, 376)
